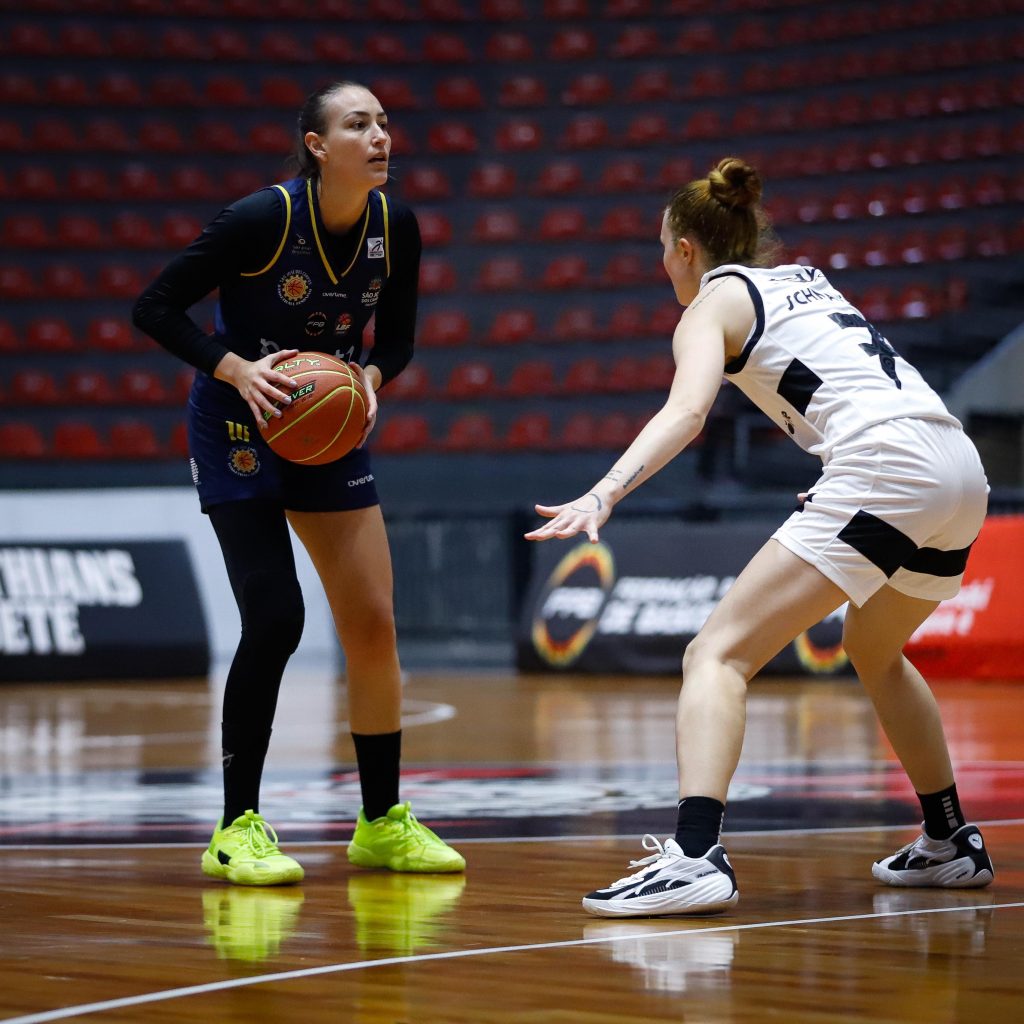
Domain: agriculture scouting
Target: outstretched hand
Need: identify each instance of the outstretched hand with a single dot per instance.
(584, 515)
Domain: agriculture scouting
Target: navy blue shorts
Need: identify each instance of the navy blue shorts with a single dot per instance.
(230, 461)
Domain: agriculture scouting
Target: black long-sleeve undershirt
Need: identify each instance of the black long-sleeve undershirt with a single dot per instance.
(243, 238)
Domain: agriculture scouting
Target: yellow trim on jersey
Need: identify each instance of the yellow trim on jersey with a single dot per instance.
(284, 236)
(387, 241)
(319, 245)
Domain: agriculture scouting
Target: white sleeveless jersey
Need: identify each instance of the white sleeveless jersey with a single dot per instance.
(815, 366)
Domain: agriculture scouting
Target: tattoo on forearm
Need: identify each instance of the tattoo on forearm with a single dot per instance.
(613, 474)
(600, 504)
(636, 473)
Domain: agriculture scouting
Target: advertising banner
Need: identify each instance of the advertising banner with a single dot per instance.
(100, 610)
(631, 603)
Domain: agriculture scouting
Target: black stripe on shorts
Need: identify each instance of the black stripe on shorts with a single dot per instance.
(891, 549)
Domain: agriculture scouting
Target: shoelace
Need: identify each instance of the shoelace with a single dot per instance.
(648, 842)
(260, 837)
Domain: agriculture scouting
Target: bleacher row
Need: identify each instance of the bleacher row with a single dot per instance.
(537, 140)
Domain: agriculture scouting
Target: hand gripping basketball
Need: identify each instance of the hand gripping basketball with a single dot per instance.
(327, 414)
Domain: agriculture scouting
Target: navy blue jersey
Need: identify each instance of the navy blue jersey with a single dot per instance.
(317, 292)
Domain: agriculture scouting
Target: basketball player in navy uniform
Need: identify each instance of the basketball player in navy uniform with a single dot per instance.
(302, 265)
(887, 528)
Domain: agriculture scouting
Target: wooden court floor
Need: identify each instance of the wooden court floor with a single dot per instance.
(108, 792)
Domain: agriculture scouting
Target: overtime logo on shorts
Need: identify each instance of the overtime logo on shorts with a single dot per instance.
(243, 460)
(295, 287)
(569, 606)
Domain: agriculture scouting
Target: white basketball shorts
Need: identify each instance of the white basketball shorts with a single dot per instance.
(899, 504)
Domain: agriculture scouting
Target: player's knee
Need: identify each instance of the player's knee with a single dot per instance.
(273, 612)
(369, 630)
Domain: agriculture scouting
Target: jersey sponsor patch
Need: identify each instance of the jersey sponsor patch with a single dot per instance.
(316, 324)
(295, 287)
(243, 460)
(372, 292)
(375, 248)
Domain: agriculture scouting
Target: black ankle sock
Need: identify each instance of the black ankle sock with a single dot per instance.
(379, 756)
(698, 824)
(243, 751)
(942, 814)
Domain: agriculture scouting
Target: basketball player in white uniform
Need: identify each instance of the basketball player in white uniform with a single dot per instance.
(887, 528)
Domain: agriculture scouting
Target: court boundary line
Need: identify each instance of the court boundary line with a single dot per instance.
(473, 840)
(166, 995)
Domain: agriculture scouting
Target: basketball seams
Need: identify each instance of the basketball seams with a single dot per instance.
(354, 387)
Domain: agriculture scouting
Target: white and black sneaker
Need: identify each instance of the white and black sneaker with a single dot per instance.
(669, 883)
(959, 862)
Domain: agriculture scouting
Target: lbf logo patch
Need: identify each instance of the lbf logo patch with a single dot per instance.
(295, 287)
(375, 248)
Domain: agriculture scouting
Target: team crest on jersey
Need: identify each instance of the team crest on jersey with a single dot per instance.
(243, 460)
(295, 287)
(316, 324)
(375, 248)
(343, 324)
(372, 292)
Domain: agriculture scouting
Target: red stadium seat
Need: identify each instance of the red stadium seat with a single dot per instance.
(446, 48)
(474, 379)
(66, 89)
(396, 93)
(142, 387)
(338, 49)
(655, 85)
(22, 441)
(425, 183)
(451, 137)
(492, 181)
(55, 133)
(110, 334)
(579, 432)
(592, 88)
(616, 431)
(388, 48)
(281, 91)
(90, 387)
(30, 39)
(577, 323)
(180, 229)
(532, 379)
(626, 269)
(105, 135)
(411, 384)
(179, 42)
(519, 135)
(88, 183)
(435, 228)
(562, 177)
(460, 93)
(8, 338)
(17, 284)
(628, 320)
(118, 89)
(501, 273)
(658, 372)
(50, 334)
(564, 10)
(530, 431)
(522, 91)
(512, 327)
(26, 231)
(622, 174)
(35, 182)
(445, 327)
(471, 432)
(565, 272)
(401, 434)
(139, 181)
(280, 47)
(588, 376)
(133, 439)
(65, 281)
(638, 41)
(508, 48)
(628, 222)
(698, 37)
(566, 223)
(436, 275)
(177, 443)
(34, 387)
(271, 137)
(497, 226)
(134, 231)
(570, 44)
(586, 131)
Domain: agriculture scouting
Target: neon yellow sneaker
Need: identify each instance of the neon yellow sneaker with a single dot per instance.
(399, 842)
(246, 853)
(250, 924)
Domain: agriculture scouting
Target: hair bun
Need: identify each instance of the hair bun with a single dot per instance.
(734, 183)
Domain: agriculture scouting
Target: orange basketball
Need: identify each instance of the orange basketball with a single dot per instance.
(327, 412)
